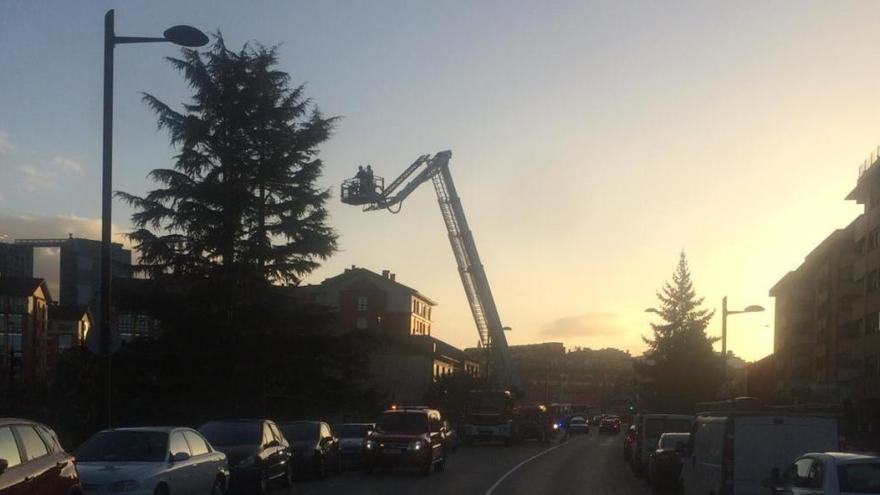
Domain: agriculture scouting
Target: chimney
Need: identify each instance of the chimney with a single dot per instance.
(392, 276)
(386, 273)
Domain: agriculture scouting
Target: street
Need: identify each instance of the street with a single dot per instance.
(585, 464)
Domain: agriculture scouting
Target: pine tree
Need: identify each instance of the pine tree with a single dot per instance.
(680, 367)
(241, 198)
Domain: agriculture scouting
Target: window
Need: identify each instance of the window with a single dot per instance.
(178, 444)
(362, 304)
(34, 447)
(872, 366)
(8, 447)
(872, 323)
(872, 281)
(196, 443)
(50, 439)
(859, 478)
(361, 323)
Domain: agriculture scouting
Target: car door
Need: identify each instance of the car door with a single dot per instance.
(434, 427)
(16, 478)
(63, 474)
(180, 470)
(204, 466)
(41, 465)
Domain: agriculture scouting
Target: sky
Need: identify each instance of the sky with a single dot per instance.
(592, 141)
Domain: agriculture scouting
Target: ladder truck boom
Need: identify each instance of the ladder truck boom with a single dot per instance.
(369, 191)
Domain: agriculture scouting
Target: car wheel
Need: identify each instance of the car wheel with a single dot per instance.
(288, 475)
(263, 483)
(320, 467)
(217, 489)
(161, 490)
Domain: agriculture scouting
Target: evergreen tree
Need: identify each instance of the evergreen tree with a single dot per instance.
(680, 367)
(241, 198)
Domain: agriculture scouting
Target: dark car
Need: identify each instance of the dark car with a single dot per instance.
(352, 437)
(32, 461)
(664, 465)
(407, 438)
(596, 420)
(256, 450)
(610, 424)
(629, 440)
(315, 449)
(534, 422)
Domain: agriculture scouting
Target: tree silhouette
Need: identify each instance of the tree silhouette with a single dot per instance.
(241, 198)
(680, 367)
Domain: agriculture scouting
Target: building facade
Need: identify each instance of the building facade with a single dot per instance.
(24, 304)
(16, 261)
(68, 327)
(368, 301)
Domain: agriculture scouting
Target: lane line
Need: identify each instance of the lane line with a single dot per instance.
(521, 464)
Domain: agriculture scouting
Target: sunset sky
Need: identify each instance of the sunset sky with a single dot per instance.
(592, 141)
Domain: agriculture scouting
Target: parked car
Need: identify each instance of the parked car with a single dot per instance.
(534, 422)
(629, 440)
(352, 437)
(734, 450)
(32, 460)
(664, 465)
(407, 438)
(596, 420)
(610, 424)
(578, 424)
(257, 453)
(649, 427)
(149, 461)
(831, 473)
(315, 449)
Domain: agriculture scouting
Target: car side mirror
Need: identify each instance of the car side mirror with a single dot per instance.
(180, 457)
(4, 464)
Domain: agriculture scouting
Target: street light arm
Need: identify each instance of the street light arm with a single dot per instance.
(120, 40)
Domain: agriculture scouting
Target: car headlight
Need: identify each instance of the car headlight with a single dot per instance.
(123, 486)
(247, 462)
(555, 426)
(416, 445)
(369, 445)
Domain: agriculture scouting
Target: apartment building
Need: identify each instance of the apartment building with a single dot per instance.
(24, 304)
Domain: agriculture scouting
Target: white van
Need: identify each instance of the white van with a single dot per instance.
(734, 452)
(649, 427)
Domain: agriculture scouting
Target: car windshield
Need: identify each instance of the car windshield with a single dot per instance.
(669, 441)
(350, 431)
(578, 420)
(300, 432)
(124, 446)
(232, 433)
(488, 401)
(863, 477)
(403, 422)
(654, 427)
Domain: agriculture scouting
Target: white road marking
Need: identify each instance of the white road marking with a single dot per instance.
(521, 464)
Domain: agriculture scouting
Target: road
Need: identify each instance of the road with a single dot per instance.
(585, 464)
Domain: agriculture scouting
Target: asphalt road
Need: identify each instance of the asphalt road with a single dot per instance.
(585, 464)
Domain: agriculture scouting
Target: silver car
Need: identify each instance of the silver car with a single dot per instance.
(151, 460)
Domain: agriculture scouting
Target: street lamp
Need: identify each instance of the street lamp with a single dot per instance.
(754, 308)
(179, 35)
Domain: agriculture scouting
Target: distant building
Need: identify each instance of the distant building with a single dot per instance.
(16, 261)
(761, 378)
(367, 301)
(80, 260)
(68, 327)
(24, 303)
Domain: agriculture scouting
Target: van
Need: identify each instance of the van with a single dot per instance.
(734, 452)
(649, 427)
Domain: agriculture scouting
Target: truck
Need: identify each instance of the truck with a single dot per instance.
(735, 449)
(489, 416)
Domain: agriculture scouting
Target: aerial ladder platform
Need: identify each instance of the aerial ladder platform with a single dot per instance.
(370, 192)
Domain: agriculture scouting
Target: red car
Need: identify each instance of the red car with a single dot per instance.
(32, 460)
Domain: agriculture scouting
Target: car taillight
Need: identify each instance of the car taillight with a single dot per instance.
(727, 463)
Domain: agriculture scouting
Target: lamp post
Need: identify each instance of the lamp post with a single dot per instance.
(179, 35)
(754, 308)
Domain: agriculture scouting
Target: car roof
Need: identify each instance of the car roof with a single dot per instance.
(843, 457)
(11, 421)
(165, 429)
(676, 433)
